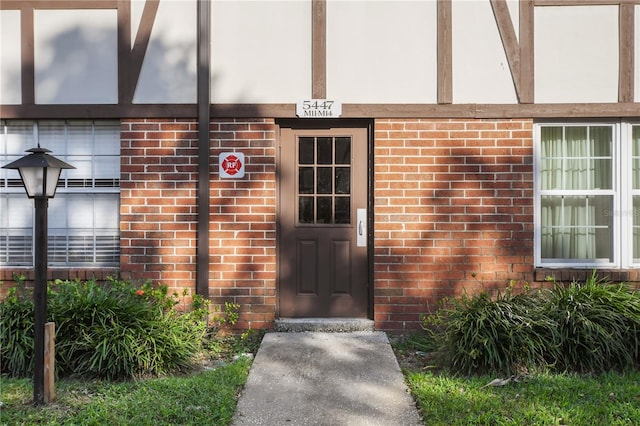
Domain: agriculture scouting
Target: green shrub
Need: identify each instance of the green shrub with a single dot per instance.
(111, 331)
(16, 332)
(483, 334)
(589, 327)
(598, 325)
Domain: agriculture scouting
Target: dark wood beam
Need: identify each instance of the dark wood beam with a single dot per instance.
(204, 151)
(626, 56)
(27, 47)
(582, 110)
(319, 49)
(445, 42)
(526, 43)
(125, 87)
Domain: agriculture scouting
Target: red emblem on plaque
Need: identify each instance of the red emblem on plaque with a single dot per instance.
(231, 165)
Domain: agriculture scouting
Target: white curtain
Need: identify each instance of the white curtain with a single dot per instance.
(635, 141)
(636, 225)
(576, 226)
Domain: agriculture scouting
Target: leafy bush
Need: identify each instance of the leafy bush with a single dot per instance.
(583, 327)
(110, 331)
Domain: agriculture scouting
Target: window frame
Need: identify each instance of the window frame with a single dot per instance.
(65, 189)
(622, 192)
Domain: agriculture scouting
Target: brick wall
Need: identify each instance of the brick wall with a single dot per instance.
(453, 208)
(158, 214)
(243, 222)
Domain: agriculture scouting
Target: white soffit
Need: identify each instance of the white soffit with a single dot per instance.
(76, 56)
(382, 51)
(169, 70)
(10, 68)
(481, 72)
(576, 54)
(261, 51)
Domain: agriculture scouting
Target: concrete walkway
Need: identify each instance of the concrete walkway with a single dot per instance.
(316, 378)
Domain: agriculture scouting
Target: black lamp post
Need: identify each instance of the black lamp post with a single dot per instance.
(39, 172)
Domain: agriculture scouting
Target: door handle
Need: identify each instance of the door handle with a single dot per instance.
(361, 237)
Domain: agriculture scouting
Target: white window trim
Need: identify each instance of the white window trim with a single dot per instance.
(622, 196)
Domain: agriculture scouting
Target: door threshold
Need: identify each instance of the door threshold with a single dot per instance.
(326, 325)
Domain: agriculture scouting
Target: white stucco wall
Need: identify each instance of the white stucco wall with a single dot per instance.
(382, 51)
(76, 56)
(576, 54)
(378, 51)
(10, 77)
(168, 72)
(481, 72)
(261, 51)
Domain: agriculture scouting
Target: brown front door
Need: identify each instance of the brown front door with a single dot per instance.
(323, 268)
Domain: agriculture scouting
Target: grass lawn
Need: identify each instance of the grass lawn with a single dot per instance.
(609, 399)
(207, 396)
(203, 398)
(540, 399)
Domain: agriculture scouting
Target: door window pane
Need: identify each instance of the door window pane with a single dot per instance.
(306, 151)
(343, 180)
(343, 210)
(305, 180)
(343, 150)
(324, 210)
(305, 210)
(325, 150)
(324, 180)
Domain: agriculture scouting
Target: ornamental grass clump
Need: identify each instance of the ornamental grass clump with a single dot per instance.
(504, 333)
(598, 325)
(584, 327)
(112, 331)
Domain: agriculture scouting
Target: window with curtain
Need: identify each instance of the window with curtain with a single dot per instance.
(588, 194)
(635, 190)
(84, 214)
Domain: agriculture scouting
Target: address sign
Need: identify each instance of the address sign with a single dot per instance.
(318, 108)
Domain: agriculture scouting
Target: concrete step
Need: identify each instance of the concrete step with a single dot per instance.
(326, 325)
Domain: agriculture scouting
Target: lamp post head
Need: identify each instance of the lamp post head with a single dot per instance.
(39, 172)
